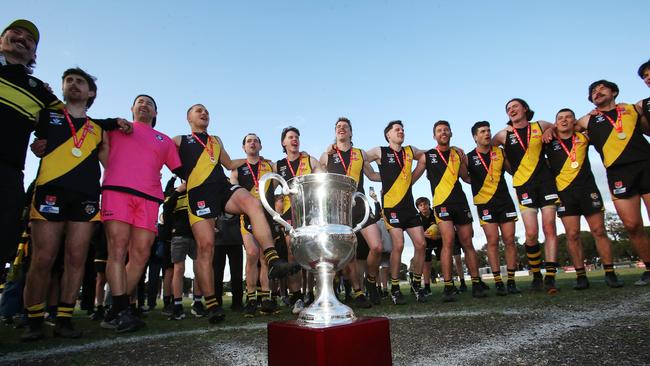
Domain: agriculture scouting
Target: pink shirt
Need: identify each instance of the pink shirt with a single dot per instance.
(135, 160)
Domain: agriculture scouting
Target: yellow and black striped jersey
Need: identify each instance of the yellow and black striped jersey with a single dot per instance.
(486, 175)
(59, 167)
(197, 165)
(566, 176)
(248, 175)
(349, 163)
(396, 178)
(22, 97)
(528, 163)
(612, 149)
(294, 168)
(442, 172)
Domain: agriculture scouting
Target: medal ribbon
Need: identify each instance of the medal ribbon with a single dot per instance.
(207, 147)
(572, 153)
(400, 162)
(618, 125)
(451, 159)
(346, 168)
(519, 137)
(256, 179)
(487, 170)
(299, 165)
(77, 143)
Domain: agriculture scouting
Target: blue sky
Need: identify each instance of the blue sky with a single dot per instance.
(259, 66)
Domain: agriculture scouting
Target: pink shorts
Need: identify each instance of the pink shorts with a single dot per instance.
(136, 211)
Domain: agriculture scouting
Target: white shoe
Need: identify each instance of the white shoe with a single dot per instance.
(298, 306)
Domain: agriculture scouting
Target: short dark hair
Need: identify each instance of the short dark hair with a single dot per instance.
(529, 112)
(478, 125)
(607, 84)
(421, 200)
(346, 120)
(192, 106)
(644, 66)
(92, 86)
(565, 110)
(155, 106)
(285, 131)
(390, 125)
(442, 122)
(243, 142)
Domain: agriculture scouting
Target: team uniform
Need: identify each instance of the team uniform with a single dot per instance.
(575, 182)
(491, 197)
(288, 170)
(449, 201)
(395, 171)
(135, 198)
(248, 177)
(645, 108)
(532, 178)
(350, 163)
(67, 183)
(208, 188)
(22, 97)
(625, 152)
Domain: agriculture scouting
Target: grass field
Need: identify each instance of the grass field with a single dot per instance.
(599, 325)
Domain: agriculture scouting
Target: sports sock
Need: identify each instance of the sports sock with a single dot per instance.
(580, 272)
(534, 255)
(64, 311)
(271, 255)
(497, 277)
(511, 275)
(551, 269)
(211, 302)
(394, 284)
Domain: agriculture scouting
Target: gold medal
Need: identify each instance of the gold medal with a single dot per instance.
(622, 135)
(575, 165)
(76, 152)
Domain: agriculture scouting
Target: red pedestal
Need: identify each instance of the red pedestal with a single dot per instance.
(365, 341)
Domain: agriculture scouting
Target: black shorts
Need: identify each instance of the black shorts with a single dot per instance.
(537, 194)
(208, 201)
(433, 246)
(492, 214)
(362, 247)
(401, 219)
(458, 213)
(580, 201)
(58, 204)
(629, 180)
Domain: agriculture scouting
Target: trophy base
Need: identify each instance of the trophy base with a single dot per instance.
(326, 312)
(365, 341)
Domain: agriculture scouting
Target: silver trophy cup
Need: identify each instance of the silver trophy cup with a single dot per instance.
(322, 236)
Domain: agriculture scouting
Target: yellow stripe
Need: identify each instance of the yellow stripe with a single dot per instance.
(568, 174)
(402, 183)
(448, 180)
(204, 167)
(64, 309)
(20, 99)
(491, 182)
(264, 168)
(306, 169)
(531, 157)
(614, 147)
(36, 315)
(36, 307)
(60, 161)
(356, 165)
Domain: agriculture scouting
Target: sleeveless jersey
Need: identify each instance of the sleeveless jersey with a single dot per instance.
(58, 167)
(565, 175)
(246, 180)
(299, 166)
(645, 107)
(488, 184)
(352, 165)
(197, 167)
(181, 222)
(528, 164)
(396, 175)
(443, 177)
(614, 151)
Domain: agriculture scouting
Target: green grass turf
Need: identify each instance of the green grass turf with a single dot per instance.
(158, 323)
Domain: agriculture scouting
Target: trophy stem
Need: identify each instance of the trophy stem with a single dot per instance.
(326, 310)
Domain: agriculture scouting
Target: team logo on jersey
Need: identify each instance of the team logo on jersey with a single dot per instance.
(600, 118)
(594, 196)
(493, 156)
(353, 156)
(159, 137)
(32, 82)
(434, 158)
(190, 139)
(200, 204)
(391, 158)
(56, 119)
(50, 200)
(90, 209)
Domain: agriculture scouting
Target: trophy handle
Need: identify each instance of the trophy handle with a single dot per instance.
(285, 190)
(366, 206)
